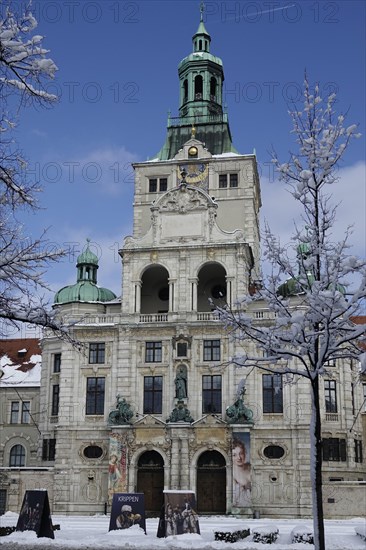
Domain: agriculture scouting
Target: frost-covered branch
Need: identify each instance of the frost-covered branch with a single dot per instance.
(313, 301)
(24, 70)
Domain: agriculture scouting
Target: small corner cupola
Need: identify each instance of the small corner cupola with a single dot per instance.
(87, 265)
(201, 40)
(85, 289)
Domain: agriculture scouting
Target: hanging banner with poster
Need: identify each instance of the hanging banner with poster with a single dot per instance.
(117, 469)
(242, 485)
(128, 509)
(35, 514)
(180, 514)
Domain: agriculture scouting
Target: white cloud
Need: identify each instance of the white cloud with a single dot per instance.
(281, 211)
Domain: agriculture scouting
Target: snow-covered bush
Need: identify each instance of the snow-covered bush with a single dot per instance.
(267, 534)
(4, 531)
(234, 536)
(361, 531)
(302, 533)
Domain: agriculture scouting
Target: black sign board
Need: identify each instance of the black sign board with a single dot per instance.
(35, 514)
(127, 509)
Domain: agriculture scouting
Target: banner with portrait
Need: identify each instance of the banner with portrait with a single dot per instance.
(242, 483)
(117, 468)
(179, 515)
(128, 509)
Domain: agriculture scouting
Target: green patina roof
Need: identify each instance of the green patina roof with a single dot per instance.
(86, 288)
(200, 106)
(83, 291)
(87, 257)
(202, 30)
(200, 56)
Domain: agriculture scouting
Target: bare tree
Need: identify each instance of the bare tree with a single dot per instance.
(311, 313)
(24, 70)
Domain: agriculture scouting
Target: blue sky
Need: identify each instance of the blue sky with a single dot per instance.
(117, 79)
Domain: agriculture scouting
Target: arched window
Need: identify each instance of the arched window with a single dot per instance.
(185, 90)
(198, 87)
(213, 88)
(200, 45)
(17, 456)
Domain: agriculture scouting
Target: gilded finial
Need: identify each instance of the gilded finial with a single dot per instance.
(193, 132)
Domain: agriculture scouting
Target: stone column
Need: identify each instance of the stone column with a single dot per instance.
(229, 290)
(194, 289)
(137, 297)
(171, 294)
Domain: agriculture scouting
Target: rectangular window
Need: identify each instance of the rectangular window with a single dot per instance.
(57, 362)
(334, 449)
(211, 394)
(25, 412)
(163, 184)
(153, 352)
(228, 180)
(153, 394)
(14, 413)
(330, 391)
(153, 185)
(233, 180)
(95, 388)
(222, 181)
(211, 350)
(48, 449)
(358, 450)
(181, 349)
(55, 399)
(158, 184)
(272, 393)
(97, 352)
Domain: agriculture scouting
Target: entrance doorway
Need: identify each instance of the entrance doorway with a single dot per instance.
(2, 501)
(211, 483)
(150, 480)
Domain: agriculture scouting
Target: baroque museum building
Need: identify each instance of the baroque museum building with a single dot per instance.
(152, 401)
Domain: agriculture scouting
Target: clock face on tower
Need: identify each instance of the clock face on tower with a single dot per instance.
(196, 174)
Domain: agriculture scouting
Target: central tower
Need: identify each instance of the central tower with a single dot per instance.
(201, 78)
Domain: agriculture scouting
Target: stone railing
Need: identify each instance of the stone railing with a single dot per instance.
(331, 417)
(154, 318)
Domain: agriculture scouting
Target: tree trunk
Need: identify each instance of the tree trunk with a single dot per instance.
(316, 468)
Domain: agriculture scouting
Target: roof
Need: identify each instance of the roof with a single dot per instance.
(20, 362)
(83, 291)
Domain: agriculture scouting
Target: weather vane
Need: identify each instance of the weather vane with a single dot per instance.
(202, 9)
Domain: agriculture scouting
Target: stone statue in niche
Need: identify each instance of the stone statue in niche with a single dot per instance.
(181, 383)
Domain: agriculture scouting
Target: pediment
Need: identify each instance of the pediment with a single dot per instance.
(182, 199)
(202, 151)
(209, 420)
(149, 420)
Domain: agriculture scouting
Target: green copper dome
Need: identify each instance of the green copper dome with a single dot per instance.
(86, 288)
(87, 257)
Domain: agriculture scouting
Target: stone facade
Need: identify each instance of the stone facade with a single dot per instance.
(142, 406)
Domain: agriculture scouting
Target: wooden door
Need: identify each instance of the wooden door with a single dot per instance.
(211, 483)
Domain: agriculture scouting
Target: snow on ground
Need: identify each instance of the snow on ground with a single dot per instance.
(87, 533)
